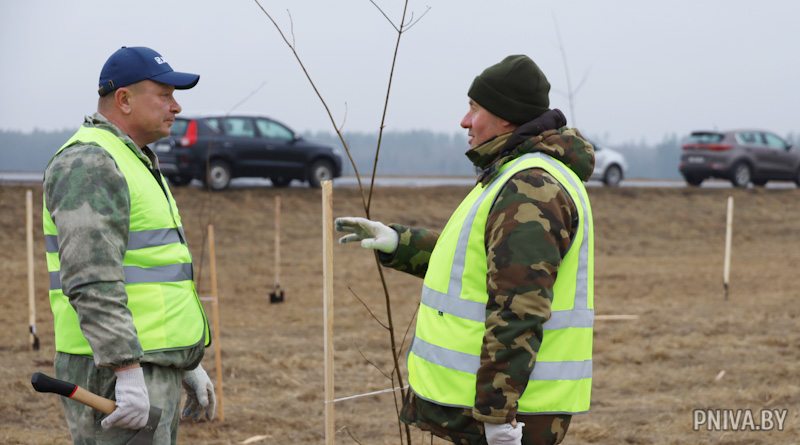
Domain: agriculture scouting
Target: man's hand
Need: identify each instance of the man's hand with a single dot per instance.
(504, 433)
(133, 402)
(372, 234)
(200, 397)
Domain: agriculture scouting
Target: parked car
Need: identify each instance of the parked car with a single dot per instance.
(609, 165)
(216, 149)
(741, 156)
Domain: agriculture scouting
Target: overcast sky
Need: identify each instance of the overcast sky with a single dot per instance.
(650, 68)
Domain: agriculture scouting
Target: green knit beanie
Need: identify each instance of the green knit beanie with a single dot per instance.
(515, 90)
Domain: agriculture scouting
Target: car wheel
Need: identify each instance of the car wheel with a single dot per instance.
(612, 176)
(797, 177)
(694, 181)
(742, 175)
(219, 175)
(178, 180)
(321, 170)
(280, 181)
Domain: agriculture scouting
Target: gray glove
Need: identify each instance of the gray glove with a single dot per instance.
(372, 234)
(133, 402)
(200, 397)
(503, 434)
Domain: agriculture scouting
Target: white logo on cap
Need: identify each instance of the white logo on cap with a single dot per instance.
(159, 60)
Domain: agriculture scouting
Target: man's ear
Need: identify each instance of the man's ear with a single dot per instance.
(122, 99)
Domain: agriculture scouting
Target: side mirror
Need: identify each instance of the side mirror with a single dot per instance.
(789, 147)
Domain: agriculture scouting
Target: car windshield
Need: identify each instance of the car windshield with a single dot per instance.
(705, 138)
(179, 127)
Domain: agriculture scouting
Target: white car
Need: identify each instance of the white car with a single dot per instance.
(609, 166)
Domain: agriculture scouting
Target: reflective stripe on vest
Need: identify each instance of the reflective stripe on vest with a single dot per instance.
(560, 381)
(157, 264)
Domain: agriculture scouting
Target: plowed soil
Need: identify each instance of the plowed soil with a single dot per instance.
(659, 255)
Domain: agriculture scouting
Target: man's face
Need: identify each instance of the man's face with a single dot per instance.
(482, 124)
(152, 111)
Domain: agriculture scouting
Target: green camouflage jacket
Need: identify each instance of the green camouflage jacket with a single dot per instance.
(532, 206)
(87, 197)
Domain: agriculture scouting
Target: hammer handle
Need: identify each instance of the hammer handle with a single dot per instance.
(45, 383)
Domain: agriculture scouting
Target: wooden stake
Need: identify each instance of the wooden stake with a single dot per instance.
(277, 242)
(327, 307)
(31, 287)
(215, 314)
(728, 235)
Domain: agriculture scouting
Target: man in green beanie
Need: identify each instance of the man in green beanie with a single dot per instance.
(502, 352)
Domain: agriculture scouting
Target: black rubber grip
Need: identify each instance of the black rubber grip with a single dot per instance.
(45, 383)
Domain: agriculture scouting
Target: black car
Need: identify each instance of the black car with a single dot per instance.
(216, 149)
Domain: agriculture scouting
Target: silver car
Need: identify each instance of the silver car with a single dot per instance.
(609, 166)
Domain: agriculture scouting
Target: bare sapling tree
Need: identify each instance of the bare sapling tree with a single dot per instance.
(571, 93)
(366, 195)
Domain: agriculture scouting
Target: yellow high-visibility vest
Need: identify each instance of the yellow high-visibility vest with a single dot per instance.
(162, 299)
(445, 355)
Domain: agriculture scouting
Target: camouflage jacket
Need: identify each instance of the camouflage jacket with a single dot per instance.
(532, 210)
(87, 197)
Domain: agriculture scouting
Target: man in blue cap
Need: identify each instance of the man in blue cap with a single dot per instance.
(128, 322)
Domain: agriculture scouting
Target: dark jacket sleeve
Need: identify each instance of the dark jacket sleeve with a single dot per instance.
(87, 197)
(528, 232)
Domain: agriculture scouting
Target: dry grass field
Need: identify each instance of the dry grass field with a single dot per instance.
(659, 256)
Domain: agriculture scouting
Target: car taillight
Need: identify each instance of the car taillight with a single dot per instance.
(190, 138)
(711, 147)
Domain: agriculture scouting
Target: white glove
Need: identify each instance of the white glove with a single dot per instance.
(503, 434)
(372, 234)
(133, 402)
(200, 395)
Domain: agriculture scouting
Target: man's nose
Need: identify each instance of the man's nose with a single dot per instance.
(176, 107)
(465, 122)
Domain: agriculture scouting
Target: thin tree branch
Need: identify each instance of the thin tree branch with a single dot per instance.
(393, 343)
(344, 119)
(374, 365)
(319, 95)
(367, 308)
(291, 26)
(387, 17)
(566, 72)
(383, 116)
(413, 22)
(408, 328)
(347, 430)
(246, 98)
(583, 81)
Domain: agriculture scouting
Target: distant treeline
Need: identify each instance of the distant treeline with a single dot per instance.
(424, 153)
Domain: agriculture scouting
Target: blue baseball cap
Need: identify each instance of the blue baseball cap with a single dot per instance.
(130, 65)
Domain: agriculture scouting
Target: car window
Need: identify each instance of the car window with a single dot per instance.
(274, 130)
(749, 138)
(705, 138)
(239, 126)
(179, 127)
(214, 124)
(774, 141)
